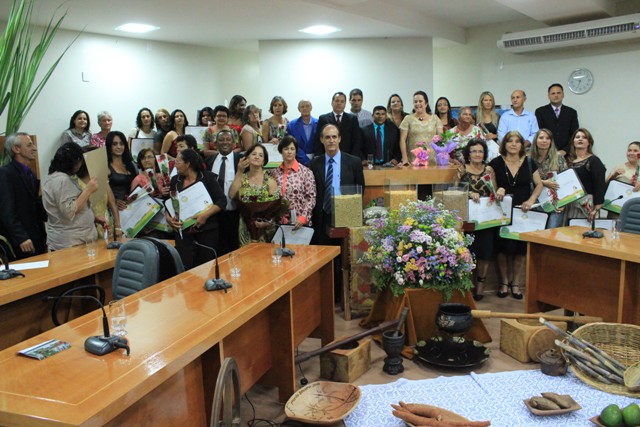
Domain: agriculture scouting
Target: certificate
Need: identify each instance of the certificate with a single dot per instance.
(301, 236)
(615, 190)
(569, 190)
(159, 222)
(138, 144)
(488, 214)
(522, 222)
(140, 210)
(193, 200)
(198, 133)
(275, 158)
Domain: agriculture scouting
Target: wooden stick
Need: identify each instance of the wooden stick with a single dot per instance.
(588, 370)
(590, 362)
(486, 314)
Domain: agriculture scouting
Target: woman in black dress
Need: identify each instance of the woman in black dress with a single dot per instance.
(121, 167)
(589, 169)
(516, 175)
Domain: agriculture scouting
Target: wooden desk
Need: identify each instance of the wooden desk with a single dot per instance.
(22, 311)
(179, 334)
(597, 277)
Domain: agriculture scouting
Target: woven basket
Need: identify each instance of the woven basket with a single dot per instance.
(620, 341)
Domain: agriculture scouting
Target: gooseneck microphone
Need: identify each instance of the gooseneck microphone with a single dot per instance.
(285, 251)
(98, 345)
(593, 233)
(216, 284)
(115, 244)
(7, 273)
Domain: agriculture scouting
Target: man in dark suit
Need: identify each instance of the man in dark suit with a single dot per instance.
(347, 124)
(560, 119)
(225, 165)
(22, 215)
(382, 138)
(303, 129)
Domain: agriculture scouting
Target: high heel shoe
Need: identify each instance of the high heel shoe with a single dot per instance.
(503, 294)
(515, 295)
(478, 292)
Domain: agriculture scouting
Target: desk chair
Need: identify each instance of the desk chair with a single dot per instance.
(143, 262)
(630, 216)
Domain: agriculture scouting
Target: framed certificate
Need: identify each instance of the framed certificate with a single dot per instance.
(569, 190)
(522, 222)
(488, 214)
(615, 190)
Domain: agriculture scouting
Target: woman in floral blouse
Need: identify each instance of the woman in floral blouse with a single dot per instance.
(297, 184)
(464, 132)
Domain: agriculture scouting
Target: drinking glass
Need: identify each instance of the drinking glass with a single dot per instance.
(234, 264)
(118, 318)
(277, 255)
(91, 249)
(616, 228)
(370, 161)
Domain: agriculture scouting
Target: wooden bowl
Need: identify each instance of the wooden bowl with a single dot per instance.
(323, 402)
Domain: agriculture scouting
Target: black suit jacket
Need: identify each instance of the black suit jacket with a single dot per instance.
(209, 162)
(22, 215)
(351, 173)
(391, 141)
(350, 134)
(562, 127)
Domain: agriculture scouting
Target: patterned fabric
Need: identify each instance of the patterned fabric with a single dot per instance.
(476, 184)
(362, 293)
(544, 167)
(463, 140)
(420, 131)
(298, 186)
(98, 140)
(495, 397)
(277, 131)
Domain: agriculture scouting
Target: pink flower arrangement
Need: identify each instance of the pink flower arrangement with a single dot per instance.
(443, 145)
(421, 152)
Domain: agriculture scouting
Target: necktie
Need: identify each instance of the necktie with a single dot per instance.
(338, 119)
(557, 112)
(328, 187)
(379, 144)
(221, 173)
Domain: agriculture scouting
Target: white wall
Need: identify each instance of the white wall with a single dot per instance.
(316, 69)
(608, 110)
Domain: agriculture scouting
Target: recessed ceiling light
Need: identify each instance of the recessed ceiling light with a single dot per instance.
(320, 30)
(137, 28)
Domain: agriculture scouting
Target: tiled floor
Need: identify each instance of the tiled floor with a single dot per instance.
(265, 399)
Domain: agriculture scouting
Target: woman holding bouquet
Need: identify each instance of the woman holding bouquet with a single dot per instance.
(149, 174)
(549, 162)
(591, 172)
(421, 126)
(480, 177)
(515, 174)
(275, 128)
(259, 198)
(205, 230)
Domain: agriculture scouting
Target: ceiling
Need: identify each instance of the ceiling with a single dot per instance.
(239, 24)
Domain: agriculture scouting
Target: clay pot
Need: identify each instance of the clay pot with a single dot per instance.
(454, 318)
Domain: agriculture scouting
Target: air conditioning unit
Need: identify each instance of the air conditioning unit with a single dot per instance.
(591, 32)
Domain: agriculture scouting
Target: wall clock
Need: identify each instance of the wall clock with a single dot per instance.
(580, 81)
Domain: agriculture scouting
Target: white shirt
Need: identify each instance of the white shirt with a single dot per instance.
(229, 175)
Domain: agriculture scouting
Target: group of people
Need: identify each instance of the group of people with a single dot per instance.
(521, 151)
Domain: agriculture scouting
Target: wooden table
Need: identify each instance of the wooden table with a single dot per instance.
(22, 312)
(179, 334)
(596, 277)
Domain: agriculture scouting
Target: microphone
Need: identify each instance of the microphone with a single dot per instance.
(593, 233)
(115, 244)
(98, 345)
(7, 273)
(216, 284)
(285, 251)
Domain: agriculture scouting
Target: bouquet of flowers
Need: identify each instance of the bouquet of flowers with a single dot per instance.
(419, 245)
(163, 164)
(421, 152)
(282, 131)
(254, 206)
(443, 145)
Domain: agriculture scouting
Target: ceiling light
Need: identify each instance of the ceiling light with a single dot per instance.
(137, 28)
(320, 30)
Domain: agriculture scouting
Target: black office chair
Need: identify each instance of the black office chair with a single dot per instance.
(630, 216)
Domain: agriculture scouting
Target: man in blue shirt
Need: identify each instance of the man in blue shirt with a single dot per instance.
(303, 129)
(517, 118)
(382, 138)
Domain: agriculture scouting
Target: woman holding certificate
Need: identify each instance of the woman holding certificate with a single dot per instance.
(628, 172)
(549, 162)
(516, 175)
(591, 172)
(205, 229)
(475, 172)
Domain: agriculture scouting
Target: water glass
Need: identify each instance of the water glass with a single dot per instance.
(234, 264)
(616, 228)
(370, 161)
(118, 318)
(277, 255)
(91, 249)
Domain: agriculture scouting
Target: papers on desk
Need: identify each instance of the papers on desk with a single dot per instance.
(488, 214)
(617, 189)
(302, 236)
(192, 200)
(569, 190)
(522, 222)
(30, 265)
(140, 210)
(46, 349)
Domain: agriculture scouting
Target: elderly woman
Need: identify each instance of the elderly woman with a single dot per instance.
(144, 126)
(177, 123)
(104, 121)
(221, 117)
(549, 163)
(515, 174)
(70, 219)
(251, 133)
(149, 174)
(472, 172)
(237, 105)
(395, 107)
(421, 126)
(487, 117)
(78, 130)
(122, 171)
(590, 170)
(628, 171)
(205, 116)
(297, 184)
(465, 131)
(258, 195)
(443, 110)
(205, 230)
(274, 128)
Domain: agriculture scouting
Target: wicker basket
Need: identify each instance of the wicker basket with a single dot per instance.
(620, 341)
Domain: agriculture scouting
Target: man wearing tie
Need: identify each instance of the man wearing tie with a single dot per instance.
(560, 119)
(22, 215)
(346, 123)
(382, 138)
(303, 129)
(225, 164)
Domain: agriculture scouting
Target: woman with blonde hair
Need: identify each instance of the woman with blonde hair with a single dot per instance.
(487, 118)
